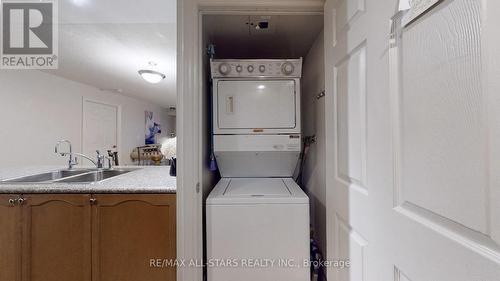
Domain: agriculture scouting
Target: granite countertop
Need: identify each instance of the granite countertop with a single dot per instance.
(146, 179)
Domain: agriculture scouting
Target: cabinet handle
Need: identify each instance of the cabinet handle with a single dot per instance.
(93, 201)
(21, 201)
(12, 202)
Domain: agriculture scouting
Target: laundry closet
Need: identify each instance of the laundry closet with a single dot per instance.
(264, 144)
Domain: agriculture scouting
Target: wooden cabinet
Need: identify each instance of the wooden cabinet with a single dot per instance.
(10, 238)
(50, 237)
(56, 238)
(128, 231)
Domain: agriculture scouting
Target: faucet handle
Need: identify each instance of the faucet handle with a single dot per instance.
(99, 155)
(110, 162)
(100, 159)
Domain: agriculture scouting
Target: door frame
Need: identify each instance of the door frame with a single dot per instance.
(189, 120)
(118, 121)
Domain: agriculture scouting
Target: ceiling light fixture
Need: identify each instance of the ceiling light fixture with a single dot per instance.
(151, 76)
(80, 3)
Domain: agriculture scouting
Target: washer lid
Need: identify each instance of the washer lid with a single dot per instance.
(231, 191)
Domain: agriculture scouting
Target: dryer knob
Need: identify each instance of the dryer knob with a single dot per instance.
(287, 68)
(250, 68)
(262, 68)
(224, 68)
(239, 68)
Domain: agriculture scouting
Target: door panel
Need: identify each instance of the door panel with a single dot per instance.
(424, 144)
(444, 147)
(399, 276)
(128, 232)
(56, 238)
(489, 43)
(350, 79)
(100, 127)
(10, 239)
(351, 9)
(350, 246)
(276, 102)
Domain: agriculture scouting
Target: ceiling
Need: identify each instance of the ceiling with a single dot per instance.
(287, 36)
(104, 44)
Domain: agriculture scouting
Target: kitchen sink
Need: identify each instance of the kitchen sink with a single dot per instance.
(70, 176)
(96, 176)
(48, 177)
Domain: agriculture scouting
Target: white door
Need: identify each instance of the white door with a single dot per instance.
(244, 106)
(100, 128)
(413, 134)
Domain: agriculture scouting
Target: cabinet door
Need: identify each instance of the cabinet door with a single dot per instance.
(128, 232)
(10, 239)
(56, 238)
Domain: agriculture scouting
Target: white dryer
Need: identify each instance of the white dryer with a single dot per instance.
(257, 216)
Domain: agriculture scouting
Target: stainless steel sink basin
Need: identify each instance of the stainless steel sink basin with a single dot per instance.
(96, 176)
(48, 177)
(70, 176)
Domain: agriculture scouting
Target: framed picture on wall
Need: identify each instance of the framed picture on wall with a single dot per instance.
(152, 128)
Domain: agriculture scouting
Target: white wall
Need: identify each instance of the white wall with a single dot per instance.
(37, 109)
(313, 115)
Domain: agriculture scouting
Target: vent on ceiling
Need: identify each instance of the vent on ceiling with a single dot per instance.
(258, 25)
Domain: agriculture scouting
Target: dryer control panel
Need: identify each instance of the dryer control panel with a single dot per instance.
(265, 68)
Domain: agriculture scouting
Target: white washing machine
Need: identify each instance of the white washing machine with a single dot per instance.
(255, 220)
(257, 216)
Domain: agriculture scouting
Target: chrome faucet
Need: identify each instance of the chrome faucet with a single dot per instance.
(73, 160)
(86, 157)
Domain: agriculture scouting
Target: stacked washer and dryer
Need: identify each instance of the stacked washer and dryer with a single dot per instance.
(257, 216)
